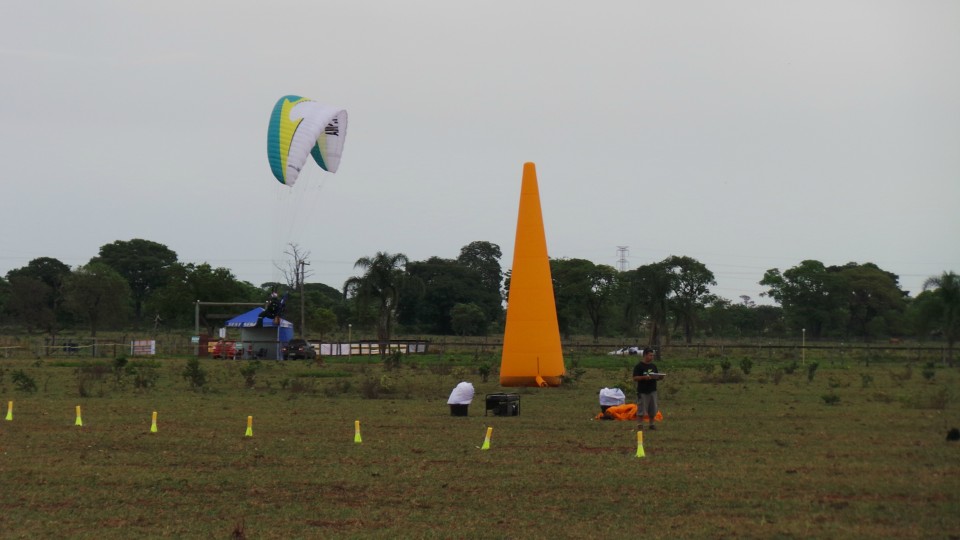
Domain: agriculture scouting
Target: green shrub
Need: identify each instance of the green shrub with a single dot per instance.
(928, 371)
(573, 373)
(830, 399)
(119, 368)
(23, 382)
(249, 373)
(725, 366)
(746, 365)
(834, 382)
(373, 387)
(144, 376)
(811, 370)
(337, 388)
(484, 370)
(392, 360)
(194, 374)
(572, 376)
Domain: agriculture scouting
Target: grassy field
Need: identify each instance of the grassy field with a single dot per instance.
(849, 451)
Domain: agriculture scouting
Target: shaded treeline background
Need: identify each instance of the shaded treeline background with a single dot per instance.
(140, 285)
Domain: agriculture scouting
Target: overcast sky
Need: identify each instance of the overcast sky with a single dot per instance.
(748, 135)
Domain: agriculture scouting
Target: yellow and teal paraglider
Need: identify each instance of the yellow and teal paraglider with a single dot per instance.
(300, 127)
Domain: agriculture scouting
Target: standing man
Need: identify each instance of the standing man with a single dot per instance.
(644, 373)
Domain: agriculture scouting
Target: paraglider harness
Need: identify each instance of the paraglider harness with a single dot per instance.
(272, 310)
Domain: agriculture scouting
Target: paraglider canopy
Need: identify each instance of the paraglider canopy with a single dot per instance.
(300, 127)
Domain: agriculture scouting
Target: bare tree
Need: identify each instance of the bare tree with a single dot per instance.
(295, 274)
(293, 269)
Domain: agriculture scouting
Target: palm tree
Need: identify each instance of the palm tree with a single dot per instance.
(947, 291)
(381, 281)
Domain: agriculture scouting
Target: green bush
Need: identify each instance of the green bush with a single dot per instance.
(119, 368)
(194, 374)
(928, 371)
(484, 370)
(249, 373)
(746, 365)
(373, 387)
(725, 366)
(144, 376)
(830, 399)
(393, 360)
(811, 370)
(23, 382)
(573, 373)
(337, 388)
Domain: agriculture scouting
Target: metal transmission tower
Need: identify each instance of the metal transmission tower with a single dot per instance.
(622, 253)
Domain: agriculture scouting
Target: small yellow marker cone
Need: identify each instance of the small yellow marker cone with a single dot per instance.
(486, 440)
(79, 422)
(356, 432)
(640, 452)
(9, 410)
(249, 426)
(153, 425)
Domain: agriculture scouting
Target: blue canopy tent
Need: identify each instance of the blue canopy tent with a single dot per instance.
(265, 341)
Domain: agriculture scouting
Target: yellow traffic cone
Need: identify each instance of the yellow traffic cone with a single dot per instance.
(153, 425)
(250, 426)
(486, 440)
(79, 422)
(640, 452)
(356, 432)
(9, 410)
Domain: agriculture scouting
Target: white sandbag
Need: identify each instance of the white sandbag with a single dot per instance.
(462, 394)
(611, 396)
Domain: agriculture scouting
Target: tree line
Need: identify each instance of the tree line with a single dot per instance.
(141, 284)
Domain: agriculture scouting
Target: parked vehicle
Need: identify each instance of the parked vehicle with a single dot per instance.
(298, 349)
(627, 350)
(225, 349)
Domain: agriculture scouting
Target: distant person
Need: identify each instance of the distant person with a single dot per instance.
(646, 388)
(271, 310)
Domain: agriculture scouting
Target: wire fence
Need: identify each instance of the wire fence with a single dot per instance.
(181, 346)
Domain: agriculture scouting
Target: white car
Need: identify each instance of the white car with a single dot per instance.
(627, 350)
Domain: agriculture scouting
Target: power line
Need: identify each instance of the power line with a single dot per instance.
(622, 253)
